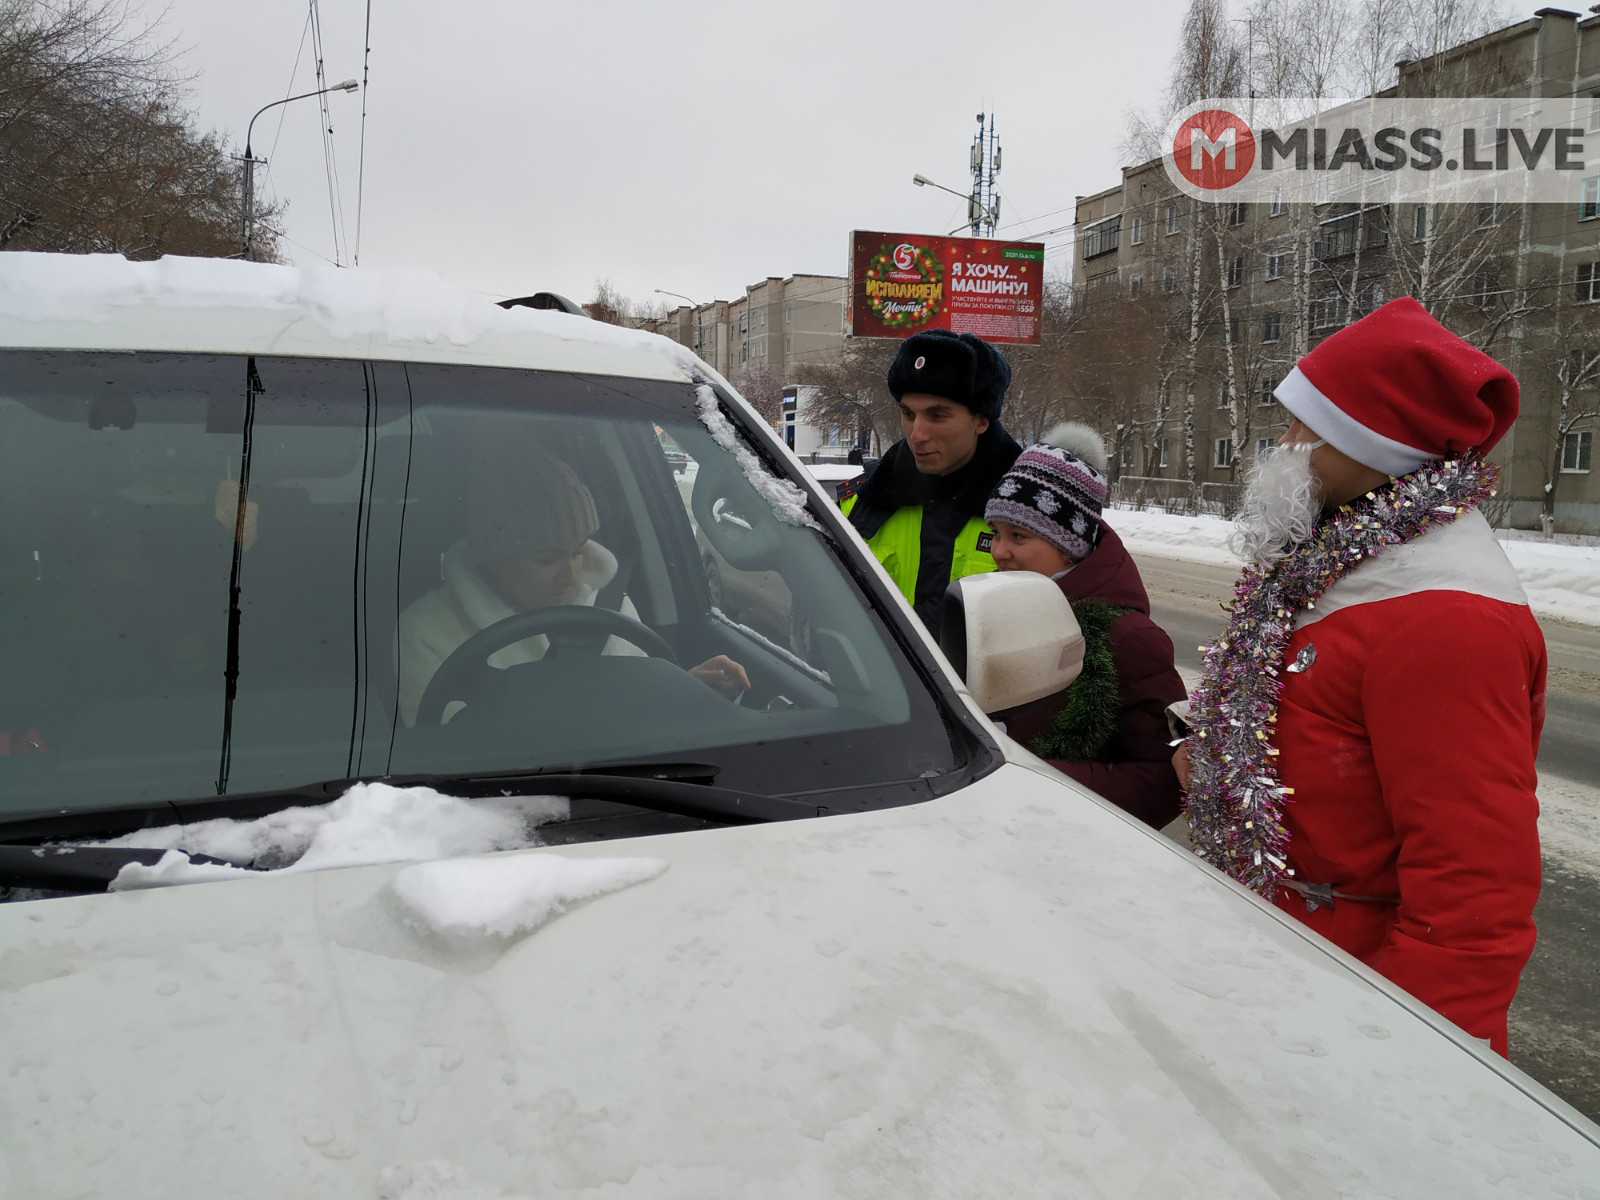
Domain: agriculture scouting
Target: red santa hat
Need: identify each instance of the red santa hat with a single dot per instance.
(1397, 389)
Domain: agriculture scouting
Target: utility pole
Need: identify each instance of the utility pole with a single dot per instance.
(247, 218)
(983, 206)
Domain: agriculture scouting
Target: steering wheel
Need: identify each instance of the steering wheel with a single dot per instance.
(460, 675)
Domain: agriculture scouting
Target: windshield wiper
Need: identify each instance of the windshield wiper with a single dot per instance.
(81, 868)
(680, 788)
(646, 790)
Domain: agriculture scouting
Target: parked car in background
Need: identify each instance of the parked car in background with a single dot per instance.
(603, 930)
(835, 479)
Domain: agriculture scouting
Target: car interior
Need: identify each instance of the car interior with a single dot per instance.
(158, 656)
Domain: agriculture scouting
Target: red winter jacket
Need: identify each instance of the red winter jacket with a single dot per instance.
(1135, 769)
(1409, 739)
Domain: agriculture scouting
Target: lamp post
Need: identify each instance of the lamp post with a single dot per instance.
(246, 239)
(692, 304)
(976, 213)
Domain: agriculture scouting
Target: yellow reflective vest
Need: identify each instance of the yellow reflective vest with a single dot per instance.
(898, 546)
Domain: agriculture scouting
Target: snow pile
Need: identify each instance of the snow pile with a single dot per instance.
(786, 500)
(1191, 539)
(474, 899)
(371, 823)
(1562, 580)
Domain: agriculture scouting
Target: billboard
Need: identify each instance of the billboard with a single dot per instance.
(901, 283)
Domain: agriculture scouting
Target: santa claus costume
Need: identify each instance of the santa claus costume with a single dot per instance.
(1366, 729)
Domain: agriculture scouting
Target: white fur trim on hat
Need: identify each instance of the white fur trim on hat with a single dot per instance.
(1342, 431)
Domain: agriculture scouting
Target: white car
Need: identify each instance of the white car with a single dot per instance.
(604, 931)
(832, 477)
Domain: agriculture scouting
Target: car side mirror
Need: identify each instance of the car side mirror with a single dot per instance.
(1011, 636)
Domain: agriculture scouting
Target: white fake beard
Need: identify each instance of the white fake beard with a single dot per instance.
(1280, 508)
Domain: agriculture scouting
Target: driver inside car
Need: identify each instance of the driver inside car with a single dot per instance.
(529, 545)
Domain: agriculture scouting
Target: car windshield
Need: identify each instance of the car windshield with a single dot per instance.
(432, 570)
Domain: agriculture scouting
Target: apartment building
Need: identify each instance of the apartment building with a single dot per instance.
(1191, 313)
(779, 323)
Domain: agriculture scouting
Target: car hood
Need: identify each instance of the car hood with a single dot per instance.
(1007, 992)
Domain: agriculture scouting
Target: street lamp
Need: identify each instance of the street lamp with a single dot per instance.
(246, 242)
(976, 213)
(692, 304)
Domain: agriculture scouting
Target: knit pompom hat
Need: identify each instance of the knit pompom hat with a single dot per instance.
(523, 503)
(1054, 494)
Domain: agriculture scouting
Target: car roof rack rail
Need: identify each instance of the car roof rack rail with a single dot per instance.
(547, 300)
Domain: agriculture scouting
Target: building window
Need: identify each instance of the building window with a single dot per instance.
(1101, 237)
(1222, 394)
(1275, 260)
(1266, 399)
(1125, 455)
(1135, 284)
(1588, 282)
(1271, 324)
(1327, 311)
(786, 313)
(1236, 271)
(1375, 226)
(1263, 446)
(1337, 237)
(1375, 296)
(744, 351)
(1594, 112)
(744, 322)
(1236, 214)
(1169, 281)
(1488, 207)
(1159, 456)
(1419, 223)
(788, 343)
(1222, 452)
(1174, 219)
(1233, 331)
(1575, 451)
(1136, 232)
(1579, 371)
(1279, 205)
(1589, 199)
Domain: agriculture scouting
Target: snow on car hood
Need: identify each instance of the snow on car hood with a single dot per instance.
(1010, 991)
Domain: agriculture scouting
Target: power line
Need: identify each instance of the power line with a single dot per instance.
(328, 157)
(361, 173)
(283, 112)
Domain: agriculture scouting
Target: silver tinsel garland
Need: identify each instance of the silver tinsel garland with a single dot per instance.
(1235, 798)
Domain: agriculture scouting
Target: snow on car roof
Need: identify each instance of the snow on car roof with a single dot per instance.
(106, 302)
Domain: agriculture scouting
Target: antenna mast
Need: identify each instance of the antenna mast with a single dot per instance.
(983, 207)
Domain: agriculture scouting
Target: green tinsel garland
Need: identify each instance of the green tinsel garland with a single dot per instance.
(1088, 720)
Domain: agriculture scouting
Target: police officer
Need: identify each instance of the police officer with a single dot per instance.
(921, 508)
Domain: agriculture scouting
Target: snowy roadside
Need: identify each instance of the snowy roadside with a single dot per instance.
(1569, 824)
(1562, 577)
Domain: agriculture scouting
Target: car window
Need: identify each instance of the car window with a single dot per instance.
(166, 645)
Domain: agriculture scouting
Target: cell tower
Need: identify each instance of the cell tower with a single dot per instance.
(983, 206)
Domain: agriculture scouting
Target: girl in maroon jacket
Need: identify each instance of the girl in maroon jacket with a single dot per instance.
(1108, 731)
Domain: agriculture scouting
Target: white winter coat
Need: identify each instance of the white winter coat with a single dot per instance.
(434, 625)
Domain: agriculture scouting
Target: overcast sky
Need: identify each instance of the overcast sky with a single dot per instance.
(515, 146)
